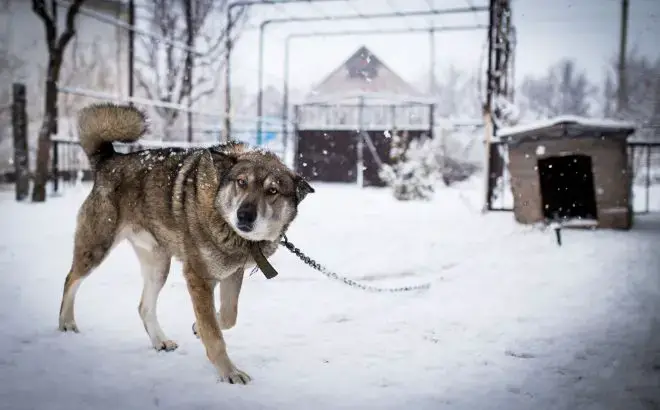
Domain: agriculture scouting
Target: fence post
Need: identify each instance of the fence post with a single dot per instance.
(360, 144)
(432, 120)
(648, 179)
(294, 140)
(19, 126)
(55, 165)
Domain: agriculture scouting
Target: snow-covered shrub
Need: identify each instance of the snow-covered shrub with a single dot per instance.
(413, 172)
(418, 163)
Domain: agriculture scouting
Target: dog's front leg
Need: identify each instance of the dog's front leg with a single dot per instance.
(201, 293)
(230, 289)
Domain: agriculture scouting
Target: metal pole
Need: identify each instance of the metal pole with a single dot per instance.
(131, 50)
(296, 133)
(190, 42)
(228, 46)
(56, 114)
(413, 13)
(431, 62)
(285, 89)
(360, 144)
(388, 31)
(432, 120)
(489, 128)
(648, 179)
(260, 80)
(622, 97)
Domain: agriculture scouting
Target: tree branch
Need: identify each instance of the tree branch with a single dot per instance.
(39, 8)
(164, 67)
(70, 25)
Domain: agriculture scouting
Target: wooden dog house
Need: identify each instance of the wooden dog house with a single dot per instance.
(571, 168)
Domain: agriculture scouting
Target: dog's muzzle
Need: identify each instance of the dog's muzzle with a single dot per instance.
(246, 215)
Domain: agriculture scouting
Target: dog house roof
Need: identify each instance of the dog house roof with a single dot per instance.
(566, 126)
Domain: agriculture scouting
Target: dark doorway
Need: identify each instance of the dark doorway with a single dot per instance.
(567, 187)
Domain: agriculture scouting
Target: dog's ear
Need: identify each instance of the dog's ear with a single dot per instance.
(302, 188)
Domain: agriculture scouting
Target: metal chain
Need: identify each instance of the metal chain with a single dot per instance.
(317, 266)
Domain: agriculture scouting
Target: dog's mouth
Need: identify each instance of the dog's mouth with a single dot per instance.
(245, 227)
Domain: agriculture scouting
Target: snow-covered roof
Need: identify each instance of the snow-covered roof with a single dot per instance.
(363, 73)
(567, 126)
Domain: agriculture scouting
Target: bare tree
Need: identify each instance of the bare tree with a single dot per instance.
(56, 45)
(562, 91)
(10, 65)
(164, 68)
(643, 82)
(456, 94)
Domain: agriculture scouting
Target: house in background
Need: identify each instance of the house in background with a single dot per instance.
(343, 123)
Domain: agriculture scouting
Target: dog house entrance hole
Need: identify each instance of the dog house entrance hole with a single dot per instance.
(567, 187)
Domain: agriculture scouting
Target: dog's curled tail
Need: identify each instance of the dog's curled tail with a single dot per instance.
(99, 125)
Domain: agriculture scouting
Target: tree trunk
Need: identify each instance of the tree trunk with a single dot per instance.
(47, 127)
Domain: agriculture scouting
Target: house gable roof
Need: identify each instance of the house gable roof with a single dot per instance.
(363, 73)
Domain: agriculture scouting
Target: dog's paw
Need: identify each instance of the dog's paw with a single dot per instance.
(166, 345)
(68, 326)
(235, 376)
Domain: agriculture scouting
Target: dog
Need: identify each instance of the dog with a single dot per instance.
(204, 206)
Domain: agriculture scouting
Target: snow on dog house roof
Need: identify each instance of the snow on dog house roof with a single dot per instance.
(566, 126)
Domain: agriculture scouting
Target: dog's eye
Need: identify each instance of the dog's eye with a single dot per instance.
(272, 191)
(241, 182)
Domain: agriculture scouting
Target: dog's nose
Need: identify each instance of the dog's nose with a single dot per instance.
(246, 214)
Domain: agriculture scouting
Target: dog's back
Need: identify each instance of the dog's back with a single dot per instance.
(148, 189)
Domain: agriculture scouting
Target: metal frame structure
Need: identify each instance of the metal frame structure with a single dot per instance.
(229, 44)
(417, 13)
(501, 43)
(290, 37)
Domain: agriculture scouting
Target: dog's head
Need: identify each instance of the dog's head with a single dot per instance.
(259, 195)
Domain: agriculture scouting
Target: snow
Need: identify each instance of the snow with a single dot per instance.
(512, 321)
(602, 124)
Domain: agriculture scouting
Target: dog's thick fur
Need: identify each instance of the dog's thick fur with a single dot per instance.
(202, 206)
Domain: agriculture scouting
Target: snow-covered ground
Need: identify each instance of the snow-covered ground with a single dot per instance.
(512, 321)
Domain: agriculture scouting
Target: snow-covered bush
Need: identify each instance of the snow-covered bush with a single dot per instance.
(417, 164)
(413, 172)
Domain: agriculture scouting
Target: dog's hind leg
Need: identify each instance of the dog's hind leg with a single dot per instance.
(95, 234)
(155, 266)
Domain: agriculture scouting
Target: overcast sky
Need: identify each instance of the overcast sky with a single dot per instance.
(585, 30)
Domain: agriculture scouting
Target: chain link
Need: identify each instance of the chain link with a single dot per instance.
(317, 266)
